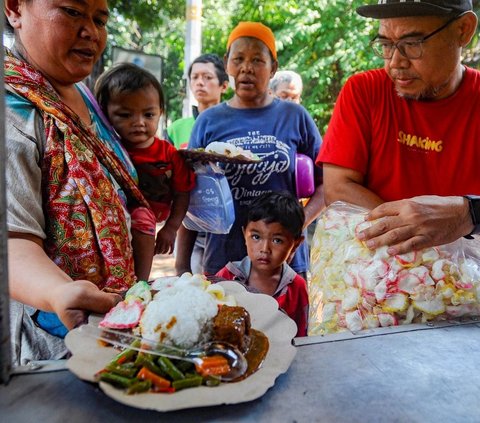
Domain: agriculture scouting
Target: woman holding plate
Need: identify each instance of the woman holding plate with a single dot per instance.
(273, 129)
(68, 180)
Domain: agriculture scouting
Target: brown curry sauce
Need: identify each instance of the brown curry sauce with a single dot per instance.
(232, 325)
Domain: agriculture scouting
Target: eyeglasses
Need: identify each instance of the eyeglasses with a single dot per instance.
(411, 49)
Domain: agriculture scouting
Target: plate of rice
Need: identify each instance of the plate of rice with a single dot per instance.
(89, 357)
(224, 152)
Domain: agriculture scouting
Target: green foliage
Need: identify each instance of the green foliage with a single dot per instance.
(328, 47)
(148, 14)
(157, 28)
(323, 40)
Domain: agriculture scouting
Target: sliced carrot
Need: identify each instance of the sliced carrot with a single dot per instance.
(214, 360)
(217, 370)
(122, 359)
(158, 381)
(213, 365)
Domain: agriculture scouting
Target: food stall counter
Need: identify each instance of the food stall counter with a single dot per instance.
(407, 376)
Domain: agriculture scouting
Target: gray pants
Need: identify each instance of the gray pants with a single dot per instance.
(30, 342)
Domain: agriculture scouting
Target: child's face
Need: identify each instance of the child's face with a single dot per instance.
(269, 245)
(135, 116)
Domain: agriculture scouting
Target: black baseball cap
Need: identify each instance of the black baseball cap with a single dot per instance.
(404, 8)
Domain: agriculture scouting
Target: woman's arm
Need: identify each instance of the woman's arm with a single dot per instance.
(36, 281)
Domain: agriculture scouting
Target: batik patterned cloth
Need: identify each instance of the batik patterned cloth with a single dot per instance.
(87, 233)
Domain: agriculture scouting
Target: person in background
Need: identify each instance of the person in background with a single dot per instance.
(132, 99)
(287, 85)
(208, 81)
(255, 120)
(403, 140)
(272, 232)
(68, 179)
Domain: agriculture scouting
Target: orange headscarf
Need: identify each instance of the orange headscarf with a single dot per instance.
(255, 30)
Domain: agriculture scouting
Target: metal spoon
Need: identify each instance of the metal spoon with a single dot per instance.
(236, 360)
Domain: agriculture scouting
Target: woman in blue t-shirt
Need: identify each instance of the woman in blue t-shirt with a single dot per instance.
(273, 129)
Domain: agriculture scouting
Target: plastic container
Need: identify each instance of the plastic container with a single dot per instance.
(304, 176)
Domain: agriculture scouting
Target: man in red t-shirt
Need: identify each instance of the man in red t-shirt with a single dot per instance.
(410, 129)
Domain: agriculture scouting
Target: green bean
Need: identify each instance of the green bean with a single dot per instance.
(187, 383)
(190, 374)
(117, 380)
(169, 368)
(141, 357)
(146, 360)
(128, 354)
(138, 387)
(166, 349)
(183, 366)
(212, 380)
(127, 370)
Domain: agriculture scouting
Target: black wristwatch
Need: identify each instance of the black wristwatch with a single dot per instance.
(474, 208)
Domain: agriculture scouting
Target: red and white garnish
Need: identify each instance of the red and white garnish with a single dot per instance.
(125, 315)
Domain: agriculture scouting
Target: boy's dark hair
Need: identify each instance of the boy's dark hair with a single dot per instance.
(217, 62)
(125, 77)
(275, 207)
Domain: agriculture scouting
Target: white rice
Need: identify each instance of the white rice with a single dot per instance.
(227, 149)
(180, 316)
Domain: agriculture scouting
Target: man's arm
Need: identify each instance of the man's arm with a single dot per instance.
(418, 222)
(343, 184)
(314, 205)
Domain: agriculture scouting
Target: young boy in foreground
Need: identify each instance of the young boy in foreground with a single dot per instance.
(272, 234)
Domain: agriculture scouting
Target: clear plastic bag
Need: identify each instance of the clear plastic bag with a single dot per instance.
(211, 204)
(354, 288)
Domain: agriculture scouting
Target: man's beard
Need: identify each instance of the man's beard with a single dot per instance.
(428, 94)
